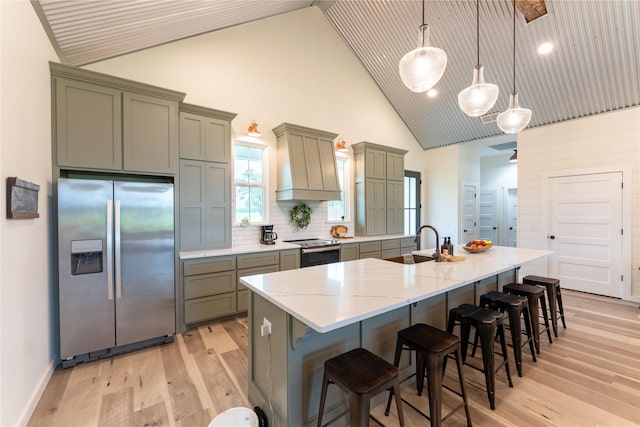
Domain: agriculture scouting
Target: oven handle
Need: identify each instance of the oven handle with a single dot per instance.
(321, 249)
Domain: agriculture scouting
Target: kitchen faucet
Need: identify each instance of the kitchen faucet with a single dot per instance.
(436, 254)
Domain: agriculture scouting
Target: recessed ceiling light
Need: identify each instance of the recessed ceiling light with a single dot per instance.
(432, 93)
(545, 48)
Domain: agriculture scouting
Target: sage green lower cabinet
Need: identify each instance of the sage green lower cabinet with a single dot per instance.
(390, 248)
(349, 252)
(370, 250)
(212, 288)
(209, 286)
(407, 245)
(289, 259)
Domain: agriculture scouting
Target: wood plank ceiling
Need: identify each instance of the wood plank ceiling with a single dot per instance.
(594, 67)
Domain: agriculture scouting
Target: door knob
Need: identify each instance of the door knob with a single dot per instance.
(510, 228)
(552, 237)
(465, 230)
(495, 228)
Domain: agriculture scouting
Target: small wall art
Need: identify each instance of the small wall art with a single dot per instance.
(22, 199)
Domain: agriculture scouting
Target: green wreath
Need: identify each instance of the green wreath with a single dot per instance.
(301, 215)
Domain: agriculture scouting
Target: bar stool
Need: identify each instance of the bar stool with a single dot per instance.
(361, 374)
(432, 346)
(488, 324)
(554, 297)
(535, 297)
(516, 307)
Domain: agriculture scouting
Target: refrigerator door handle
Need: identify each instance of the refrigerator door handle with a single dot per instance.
(117, 251)
(110, 249)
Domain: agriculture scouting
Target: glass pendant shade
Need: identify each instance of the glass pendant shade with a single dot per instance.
(480, 97)
(515, 118)
(423, 67)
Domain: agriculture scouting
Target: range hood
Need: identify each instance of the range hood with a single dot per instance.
(306, 164)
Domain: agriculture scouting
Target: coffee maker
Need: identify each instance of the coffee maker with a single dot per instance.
(268, 236)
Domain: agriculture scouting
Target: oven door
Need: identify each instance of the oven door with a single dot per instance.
(319, 256)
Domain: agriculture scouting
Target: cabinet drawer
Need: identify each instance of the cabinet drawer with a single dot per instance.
(390, 253)
(255, 270)
(407, 241)
(376, 254)
(407, 249)
(209, 265)
(370, 246)
(390, 244)
(209, 284)
(257, 260)
(243, 301)
(200, 309)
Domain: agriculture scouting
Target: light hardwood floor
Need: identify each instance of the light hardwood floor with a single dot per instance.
(589, 376)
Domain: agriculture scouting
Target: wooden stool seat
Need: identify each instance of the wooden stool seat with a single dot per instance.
(554, 298)
(361, 374)
(432, 347)
(489, 324)
(535, 297)
(516, 307)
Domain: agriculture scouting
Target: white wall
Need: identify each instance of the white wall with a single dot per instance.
(288, 68)
(598, 142)
(27, 327)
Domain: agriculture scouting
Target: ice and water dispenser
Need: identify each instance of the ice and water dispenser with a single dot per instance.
(86, 256)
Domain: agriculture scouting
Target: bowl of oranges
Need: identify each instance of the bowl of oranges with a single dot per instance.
(475, 246)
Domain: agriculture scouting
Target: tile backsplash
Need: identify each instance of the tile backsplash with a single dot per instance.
(279, 217)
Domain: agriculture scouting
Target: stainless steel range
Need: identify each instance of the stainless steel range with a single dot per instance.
(317, 251)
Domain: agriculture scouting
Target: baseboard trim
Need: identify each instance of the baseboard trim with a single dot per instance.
(37, 393)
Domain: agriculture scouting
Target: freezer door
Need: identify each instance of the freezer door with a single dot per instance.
(86, 297)
(144, 258)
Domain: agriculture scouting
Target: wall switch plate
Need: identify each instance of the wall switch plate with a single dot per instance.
(265, 329)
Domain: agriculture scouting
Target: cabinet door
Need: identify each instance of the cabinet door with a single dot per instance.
(289, 260)
(192, 205)
(376, 207)
(150, 129)
(395, 167)
(218, 205)
(88, 125)
(375, 164)
(349, 252)
(204, 138)
(395, 207)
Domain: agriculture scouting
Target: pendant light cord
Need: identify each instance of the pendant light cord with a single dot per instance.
(478, 31)
(514, 47)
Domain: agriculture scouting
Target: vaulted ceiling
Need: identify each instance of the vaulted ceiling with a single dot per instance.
(593, 68)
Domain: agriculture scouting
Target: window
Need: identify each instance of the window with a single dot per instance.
(411, 201)
(337, 210)
(249, 182)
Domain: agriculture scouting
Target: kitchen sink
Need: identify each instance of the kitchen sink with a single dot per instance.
(416, 259)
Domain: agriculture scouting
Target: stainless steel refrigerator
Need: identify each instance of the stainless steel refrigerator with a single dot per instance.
(116, 267)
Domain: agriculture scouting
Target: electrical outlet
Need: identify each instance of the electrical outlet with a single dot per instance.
(266, 327)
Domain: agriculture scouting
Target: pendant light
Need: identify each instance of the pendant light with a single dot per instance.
(423, 67)
(480, 97)
(515, 118)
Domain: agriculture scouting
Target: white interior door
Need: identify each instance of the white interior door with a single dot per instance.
(585, 232)
(488, 215)
(510, 223)
(468, 224)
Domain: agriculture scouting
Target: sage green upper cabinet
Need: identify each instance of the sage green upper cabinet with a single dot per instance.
(88, 137)
(306, 164)
(108, 123)
(205, 178)
(150, 133)
(379, 176)
(205, 134)
(205, 200)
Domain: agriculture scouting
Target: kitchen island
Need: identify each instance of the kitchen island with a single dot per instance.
(318, 312)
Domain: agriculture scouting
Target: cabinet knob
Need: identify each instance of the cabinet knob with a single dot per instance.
(552, 237)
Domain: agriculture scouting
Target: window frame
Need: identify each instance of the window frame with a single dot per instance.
(344, 191)
(265, 182)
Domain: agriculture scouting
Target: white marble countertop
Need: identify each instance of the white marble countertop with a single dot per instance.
(278, 246)
(328, 297)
